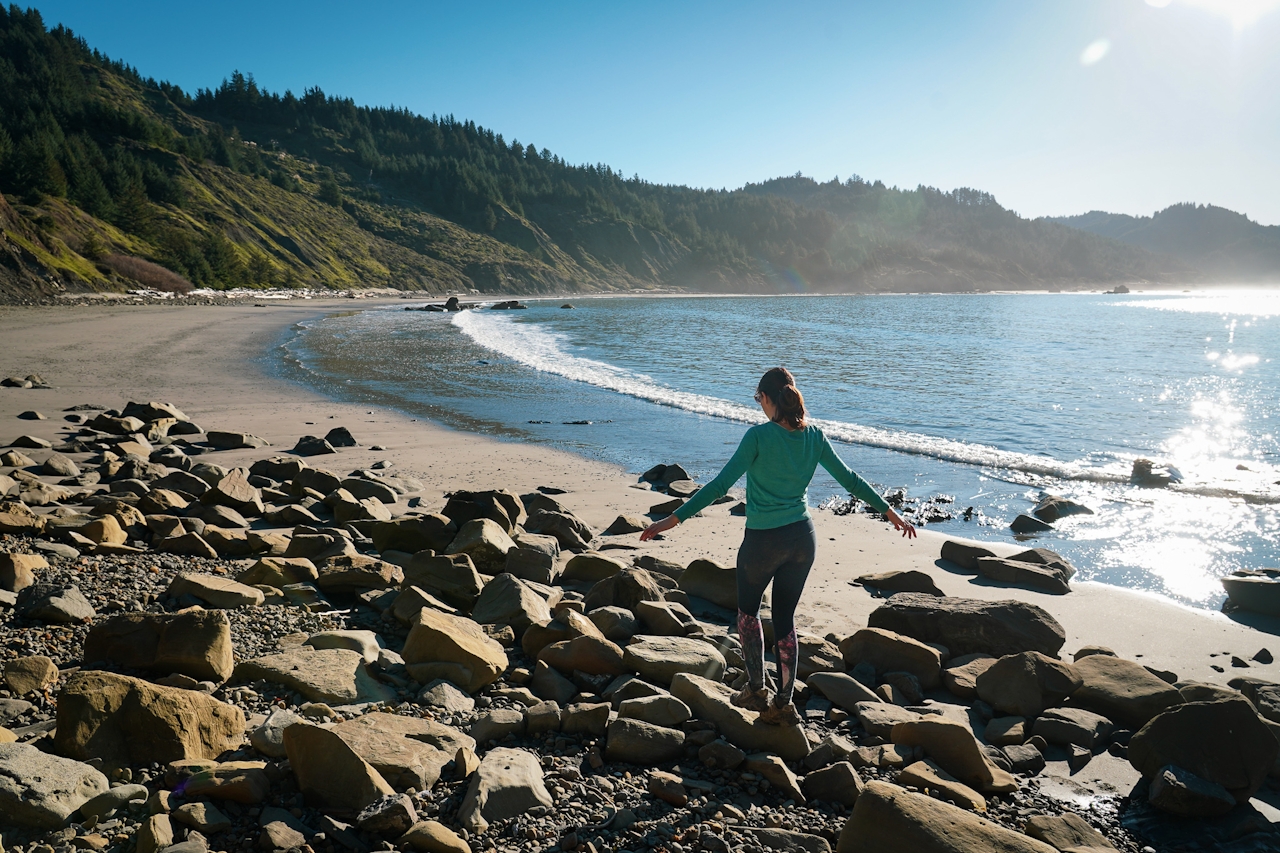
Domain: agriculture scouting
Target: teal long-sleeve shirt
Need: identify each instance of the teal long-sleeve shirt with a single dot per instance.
(779, 464)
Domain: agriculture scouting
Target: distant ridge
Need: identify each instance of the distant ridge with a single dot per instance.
(1223, 244)
(112, 181)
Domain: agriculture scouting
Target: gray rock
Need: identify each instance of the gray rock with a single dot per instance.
(52, 603)
(836, 783)
(41, 791)
(268, 737)
(509, 783)
(617, 624)
(660, 659)
(1183, 793)
(497, 724)
(333, 676)
(638, 742)
(843, 690)
(966, 625)
(665, 711)
(443, 695)
(390, 817)
(1066, 726)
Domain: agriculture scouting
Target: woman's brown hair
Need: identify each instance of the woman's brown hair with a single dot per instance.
(780, 387)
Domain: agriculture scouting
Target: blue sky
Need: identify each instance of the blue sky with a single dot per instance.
(1054, 106)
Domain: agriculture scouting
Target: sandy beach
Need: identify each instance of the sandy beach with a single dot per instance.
(212, 363)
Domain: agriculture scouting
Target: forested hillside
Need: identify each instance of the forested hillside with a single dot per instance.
(110, 180)
(1225, 245)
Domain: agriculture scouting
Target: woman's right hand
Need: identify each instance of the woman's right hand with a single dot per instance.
(899, 523)
(658, 527)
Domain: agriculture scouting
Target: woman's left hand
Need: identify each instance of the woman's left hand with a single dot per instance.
(907, 528)
(659, 527)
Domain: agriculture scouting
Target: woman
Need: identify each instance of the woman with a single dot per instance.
(779, 458)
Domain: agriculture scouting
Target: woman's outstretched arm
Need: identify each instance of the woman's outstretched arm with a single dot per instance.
(730, 474)
(861, 489)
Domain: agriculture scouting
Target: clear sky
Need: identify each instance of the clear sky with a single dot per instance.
(1054, 106)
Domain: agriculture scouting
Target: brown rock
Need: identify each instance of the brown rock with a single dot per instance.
(1121, 690)
(407, 751)
(960, 675)
(890, 652)
(279, 572)
(592, 655)
(234, 491)
(485, 542)
(451, 578)
(968, 625)
(1066, 831)
(928, 776)
(453, 648)
(508, 784)
(18, 571)
(30, 674)
(430, 836)
(195, 643)
(1025, 684)
(955, 749)
(126, 721)
(329, 772)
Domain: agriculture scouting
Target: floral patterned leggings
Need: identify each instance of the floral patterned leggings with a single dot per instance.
(781, 555)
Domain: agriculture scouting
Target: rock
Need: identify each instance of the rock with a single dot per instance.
(835, 783)
(966, 625)
(927, 775)
(30, 674)
(429, 836)
(104, 531)
(1264, 695)
(18, 571)
(890, 652)
(58, 465)
(214, 591)
(711, 581)
(242, 782)
(591, 655)
(659, 659)
(1006, 731)
(390, 817)
(1122, 690)
(625, 524)
(709, 700)
(364, 642)
(1025, 684)
(443, 695)
(195, 643)
(454, 648)
(485, 542)
(31, 442)
(278, 835)
(407, 752)
(878, 717)
(127, 721)
(153, 411)
(508, 600)
(901, 581)
(268, 737)
(591, 567)
(668, 788)
(585, 718)
(310, 445)
(453, 579)
(1224, 742)
(955, 749)
(187, 545)
(1180, 792)
(155, 834)
(571, 532)
(889, 819)
(773, 768)
(508, 784)
(1066, 726)
(1025, 575)
(413, 533)
(202, 817)
(1024, 523)
(627, 588)
(279, 572)
(567, 625)
(1066, 831)
(843, 690)
(234, 440)
(114, 798)
(551, 685)
(355, 573)
(964, 554)
(617, 624)
(334, 676)
(721, 755)
(1025, 758)
(667, 711)
(52, 603)
(1256, 593)
(329, 772)
(646, 744)
(17, 517)
(501, 507)
(960, 675)
(497, 724)
(530, 564)
(41, 791)
(340, 437)
(235, 491)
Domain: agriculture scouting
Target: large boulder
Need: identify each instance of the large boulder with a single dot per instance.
(1223, 741)
(329, 772)
(40, 791)
(407, 751)
(502, 507)
(641, 742)
(589, 654)
(659, 659)
(1264, 695)
(18, 571)
(195, 643)
(957, 751)
(335, 676)
(889, 819)
(709, 700)
(354, 573)
(842, 689)
(1027, 575)
(1121, 690)
(507, 600)
(508, 784)
(215, 591)
(591, 567)
(235, 491)
(485, 542)
(571, 532)
(454, 648)
(891, 652)
(127, 721)
(413, 533)
(453, 579)
(625, 589)
(279, 572)
(1026, 684)
(968, 625)
(717, 584)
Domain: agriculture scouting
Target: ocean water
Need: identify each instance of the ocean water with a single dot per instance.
(991, 400)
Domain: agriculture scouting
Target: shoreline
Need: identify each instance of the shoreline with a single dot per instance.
(212, 365)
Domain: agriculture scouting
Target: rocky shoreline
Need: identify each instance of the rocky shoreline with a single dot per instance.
(284, 656)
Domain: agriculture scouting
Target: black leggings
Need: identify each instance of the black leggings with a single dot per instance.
(781, 555)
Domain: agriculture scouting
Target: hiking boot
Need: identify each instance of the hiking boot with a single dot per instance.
(752, 698)
(785, 715)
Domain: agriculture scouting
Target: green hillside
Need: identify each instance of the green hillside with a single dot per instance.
(112, 181)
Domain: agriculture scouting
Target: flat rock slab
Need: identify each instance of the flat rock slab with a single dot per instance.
(41, 791)
(407, 751)
(969, 625)
(709, 700)
(333, 676)
(659, 659)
